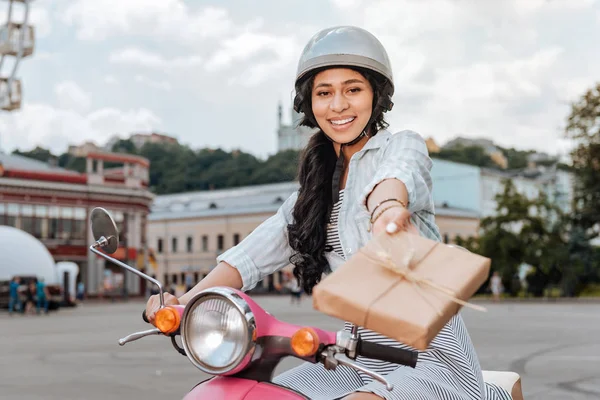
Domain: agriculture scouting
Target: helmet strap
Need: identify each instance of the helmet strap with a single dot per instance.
(339, 167)
(337, 175)
(339, 164)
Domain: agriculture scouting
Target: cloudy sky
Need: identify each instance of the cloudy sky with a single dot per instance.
(211, 73)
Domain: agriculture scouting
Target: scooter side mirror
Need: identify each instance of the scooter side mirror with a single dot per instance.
(103, 226)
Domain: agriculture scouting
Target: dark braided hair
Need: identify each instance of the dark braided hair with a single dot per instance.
(308, 234)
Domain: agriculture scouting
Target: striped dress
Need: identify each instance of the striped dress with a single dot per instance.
(448, 370)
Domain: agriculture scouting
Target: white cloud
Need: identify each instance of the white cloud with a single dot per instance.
(110, 80)
(525, 8)
(503, 100)
(71, 96)
(505, 70)
(161, 19)
(55, 128)
(479, 70)
(347, 4)
(139, 57)
(153, 83)
(274, 52)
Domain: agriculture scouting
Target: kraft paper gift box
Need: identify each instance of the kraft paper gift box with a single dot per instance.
(403, 286)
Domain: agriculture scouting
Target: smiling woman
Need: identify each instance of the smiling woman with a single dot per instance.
(350, 167)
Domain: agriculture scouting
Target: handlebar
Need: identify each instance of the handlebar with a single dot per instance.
(385, 353)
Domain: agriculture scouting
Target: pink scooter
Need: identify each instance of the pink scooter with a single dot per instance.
(226, 334)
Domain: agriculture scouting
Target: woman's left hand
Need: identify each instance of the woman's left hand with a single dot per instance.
(394, 220)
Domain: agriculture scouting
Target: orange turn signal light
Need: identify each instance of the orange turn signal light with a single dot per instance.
(305, 342)
(167, 320)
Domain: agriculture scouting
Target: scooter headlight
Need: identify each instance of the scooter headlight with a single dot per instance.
(217, 331)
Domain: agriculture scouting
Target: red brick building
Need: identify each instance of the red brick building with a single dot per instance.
(53, 204)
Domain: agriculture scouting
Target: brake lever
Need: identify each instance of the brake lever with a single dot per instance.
(335, 355)
(344, 360)
(138, 335)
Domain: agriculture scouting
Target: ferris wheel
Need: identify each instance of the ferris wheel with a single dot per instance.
(17, 41)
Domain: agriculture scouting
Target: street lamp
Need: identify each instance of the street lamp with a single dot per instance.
(17, 41)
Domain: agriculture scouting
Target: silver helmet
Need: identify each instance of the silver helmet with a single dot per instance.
(345, 46)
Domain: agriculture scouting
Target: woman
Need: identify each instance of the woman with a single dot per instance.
(356, 179)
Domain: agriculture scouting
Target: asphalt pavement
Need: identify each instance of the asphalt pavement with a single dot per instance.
(74, 354)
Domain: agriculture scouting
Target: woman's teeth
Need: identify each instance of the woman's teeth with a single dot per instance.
(342, 121)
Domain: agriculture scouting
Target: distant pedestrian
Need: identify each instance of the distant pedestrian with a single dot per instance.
(189, 282)
(42, 296)
(496, 286)
(14, 300)
(80, 291)
(30, 297)
(296, 291)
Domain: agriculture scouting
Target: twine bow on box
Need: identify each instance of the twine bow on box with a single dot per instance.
(382, 258)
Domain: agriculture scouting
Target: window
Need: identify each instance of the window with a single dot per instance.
(204, 243)
(220, 242)
(174, 278)
(79, 226)
(166, 279)
(236, 238)
(159, 245)
(41, 221)
(174, 245)
(27, 218)
(189, 244)
(66, 223)
(30, 223)
(53, 222)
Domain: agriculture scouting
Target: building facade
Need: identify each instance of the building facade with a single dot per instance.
(556, 184)
(53, 204)
(187, 231)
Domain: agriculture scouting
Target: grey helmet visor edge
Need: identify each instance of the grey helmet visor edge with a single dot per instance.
(343, 60)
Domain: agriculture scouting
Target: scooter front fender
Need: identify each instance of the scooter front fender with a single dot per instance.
(225, 388)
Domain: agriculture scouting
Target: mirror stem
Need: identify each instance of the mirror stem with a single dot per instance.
(94, 250)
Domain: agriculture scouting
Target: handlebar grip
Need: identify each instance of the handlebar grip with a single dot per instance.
(386, 353)
(144, 317)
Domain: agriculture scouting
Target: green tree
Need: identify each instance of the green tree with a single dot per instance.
(473, 155)
(517, 159)
(525, 231)
(176, 168)
(583, 127)
(169, 167)
(280, 167)
(124, 146)
(38, 153)
(71, 162)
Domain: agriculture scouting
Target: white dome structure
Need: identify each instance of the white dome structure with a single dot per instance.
(24, 255)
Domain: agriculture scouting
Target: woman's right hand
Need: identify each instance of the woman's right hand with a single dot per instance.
(153, 305)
